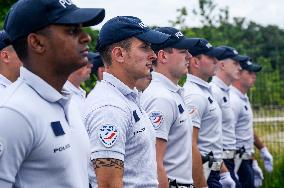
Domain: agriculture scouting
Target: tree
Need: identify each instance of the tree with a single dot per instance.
(4, 8)
(265, 44)
(180, 19)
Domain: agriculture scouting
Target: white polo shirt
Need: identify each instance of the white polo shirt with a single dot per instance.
(163, 101)
(42, 138)
(221, 94)
(119, 128)
(243, 119)
(78, 95)
(4, 82)
(205, 114)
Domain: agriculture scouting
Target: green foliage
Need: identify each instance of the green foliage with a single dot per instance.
(206, 8)
(94, 36)
(4, 8)
(271, 133)
(89, 84)
(182, 81)
(276, 179)
(265, 44)
(180, 19)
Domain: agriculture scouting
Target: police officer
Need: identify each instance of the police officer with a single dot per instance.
(9, 62)
(228, 71)
(98, 65)
(163, 101)
(122, 136)
(99, 68)
(43, 143)
(249, 173)
(205, 113)
(73, 84)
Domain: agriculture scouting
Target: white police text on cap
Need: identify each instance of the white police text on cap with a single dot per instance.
(65, 2)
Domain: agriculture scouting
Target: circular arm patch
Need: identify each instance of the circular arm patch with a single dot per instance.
(108, 135)
(157, 119)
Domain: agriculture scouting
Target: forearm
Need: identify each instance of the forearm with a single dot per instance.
(162, 177)
(109, 169)
(197, 168)
(258, 143)
(161, 146)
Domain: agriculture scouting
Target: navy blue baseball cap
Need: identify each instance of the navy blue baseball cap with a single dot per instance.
(27, 16)
(4, 40)
(248, 65)
(176, 40)
(123, 27)
(202, 46)
(96, 60)
(231, 53)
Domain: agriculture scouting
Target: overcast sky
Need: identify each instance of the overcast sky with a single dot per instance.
(159, 12)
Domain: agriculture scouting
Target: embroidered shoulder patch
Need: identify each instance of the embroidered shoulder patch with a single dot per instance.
(157, 119)
(108, 135)
(192, 109)
(193, 112)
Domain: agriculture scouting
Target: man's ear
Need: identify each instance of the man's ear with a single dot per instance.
(162, 57)
(4, 56)
(195, 61)
(221, 64)
(37, 43)
(118, 54)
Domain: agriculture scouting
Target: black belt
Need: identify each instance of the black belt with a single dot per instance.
(176, 184)
(209, 157)
(241, 151)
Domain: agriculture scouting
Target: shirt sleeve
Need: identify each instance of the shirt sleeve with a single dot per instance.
(162, 115)
(16, 142)
(196, 106)
(108, 128)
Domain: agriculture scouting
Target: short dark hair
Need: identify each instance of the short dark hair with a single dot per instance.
(21, 45)
(106, 52)
(21, 48)
(199, 56)
(169, 50)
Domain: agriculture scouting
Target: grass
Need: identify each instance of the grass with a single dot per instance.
(276, 178)
(265, 129)
(273, 136)
(269, 111)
